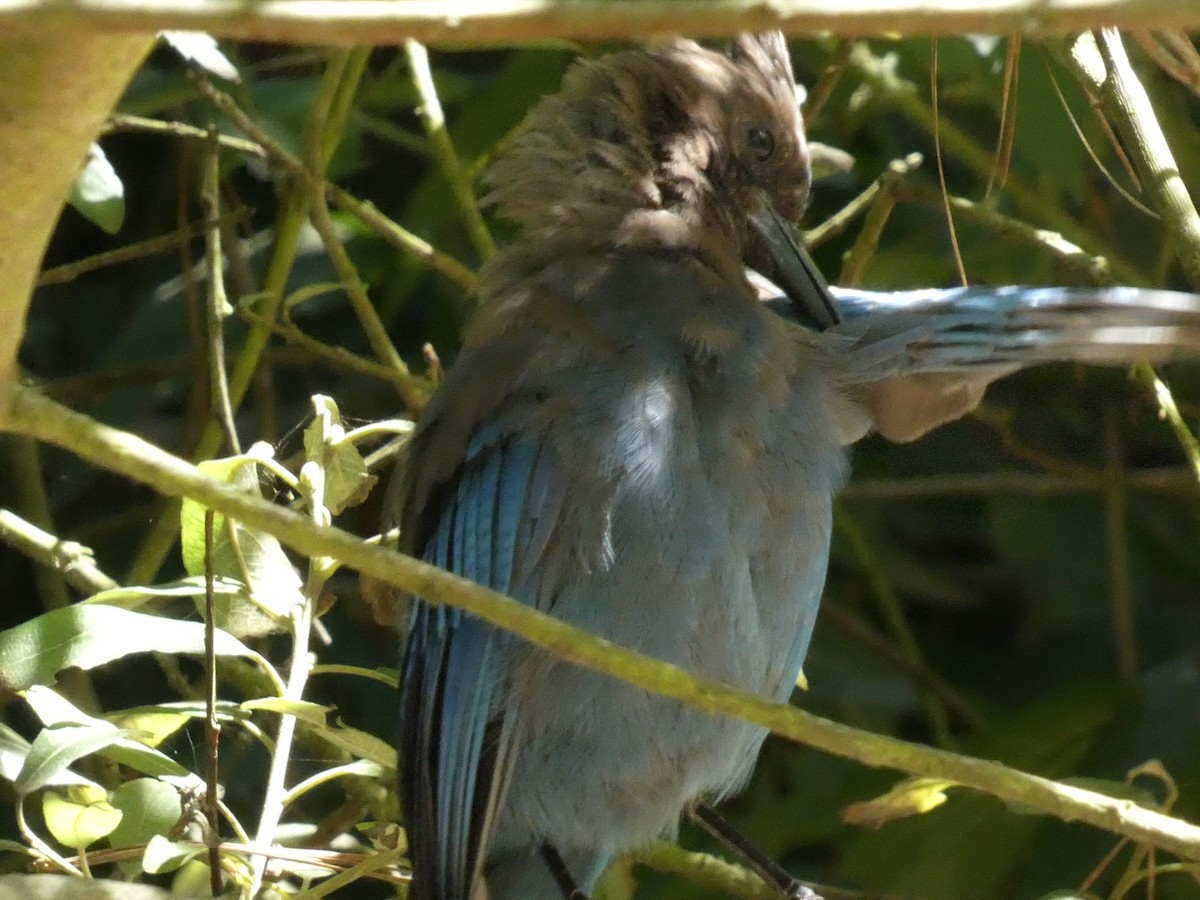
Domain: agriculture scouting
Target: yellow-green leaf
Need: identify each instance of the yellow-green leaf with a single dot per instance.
(271, 587)
(313, 713)
(78, 824)
(911, 797)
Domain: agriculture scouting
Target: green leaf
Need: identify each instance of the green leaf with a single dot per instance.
(54, 749)
(166, 856)
(911, 797)
(77, 823)
(133, 597)
(192, 878)
(313, 713)
(360, 744)
(151, 808)
(154, 724)
(55, 710)
(256, 559)
(14, 751)
(347, 481)
(89, 636)
(98, 194)
(382, 674)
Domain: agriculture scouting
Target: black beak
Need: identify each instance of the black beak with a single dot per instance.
(795, 271)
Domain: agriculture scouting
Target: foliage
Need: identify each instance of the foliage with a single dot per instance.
(1018, 586)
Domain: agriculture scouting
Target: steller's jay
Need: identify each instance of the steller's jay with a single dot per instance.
(641, 438)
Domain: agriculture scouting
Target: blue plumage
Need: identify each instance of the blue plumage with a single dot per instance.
(634, 441)
(453, 680)
(949, 329)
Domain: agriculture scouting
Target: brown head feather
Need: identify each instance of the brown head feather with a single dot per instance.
(680, 128)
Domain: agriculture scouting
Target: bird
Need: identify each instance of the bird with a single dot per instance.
(642, 435)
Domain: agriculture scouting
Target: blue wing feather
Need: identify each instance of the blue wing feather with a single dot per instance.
(540, 515)
(452, 724)
(510, 494)
(963, 329)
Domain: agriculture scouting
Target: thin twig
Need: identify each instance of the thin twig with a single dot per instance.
(200, 390)
(388, 131)
(275, 791)
(889, 181)
(1035, 204)
(74, 561)
(823, 89)
(878, 211)
(289, 224)
(916, 669)
(1095, 269)
(365, 211)
(1127, 103)
(705, 871)
(218, 303)
(306, 351)
(434, 121)
(1145, 373)
(999, 421)
(29, 489)
(68, 272)
(28, 484)
(119, 122)
(406, 383)
(367, 867)
(941, 170)
(275, 794)
(1113, 143)
(338, 358)
(1174, 53)
(1008, 118)
(212, 727)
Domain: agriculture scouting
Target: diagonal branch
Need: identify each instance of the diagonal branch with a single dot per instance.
(26, 411)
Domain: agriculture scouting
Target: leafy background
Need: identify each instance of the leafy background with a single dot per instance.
(979, 613)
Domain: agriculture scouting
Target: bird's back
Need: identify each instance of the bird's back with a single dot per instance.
(688, 431)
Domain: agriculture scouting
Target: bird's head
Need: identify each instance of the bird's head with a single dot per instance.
(713, 140)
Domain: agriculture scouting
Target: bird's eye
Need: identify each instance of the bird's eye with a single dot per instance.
(761, 142)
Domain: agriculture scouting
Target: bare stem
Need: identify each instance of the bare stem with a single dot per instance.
(452, 168)
(212, 727)
(74, 561)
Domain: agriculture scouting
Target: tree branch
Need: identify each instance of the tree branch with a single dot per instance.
(26, 411)
(490, 22)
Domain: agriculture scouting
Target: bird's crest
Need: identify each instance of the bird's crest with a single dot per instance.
(649, 129)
